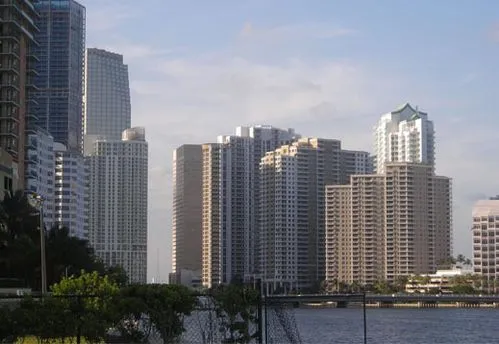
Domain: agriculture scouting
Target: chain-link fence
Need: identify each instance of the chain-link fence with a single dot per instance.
(98, 319)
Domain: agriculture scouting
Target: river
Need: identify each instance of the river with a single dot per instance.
(398, 326)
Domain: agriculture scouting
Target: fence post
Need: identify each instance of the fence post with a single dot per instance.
(260, 313)
(78, 325)
(365, 317)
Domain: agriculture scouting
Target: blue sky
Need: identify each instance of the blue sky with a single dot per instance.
(326, 68)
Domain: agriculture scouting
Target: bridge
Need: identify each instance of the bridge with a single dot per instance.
(422, 299)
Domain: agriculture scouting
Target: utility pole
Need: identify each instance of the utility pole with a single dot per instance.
(36, 201)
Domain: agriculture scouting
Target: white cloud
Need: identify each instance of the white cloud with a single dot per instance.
(296, 32)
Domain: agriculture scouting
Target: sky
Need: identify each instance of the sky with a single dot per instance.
(328, 69)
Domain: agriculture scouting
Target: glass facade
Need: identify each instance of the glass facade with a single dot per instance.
(107, 106)
(60, 66)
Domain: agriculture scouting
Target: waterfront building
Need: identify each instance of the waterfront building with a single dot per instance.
(17, 31)
(292, 209)
(118, 202)
(230, 202)
(485, 236)
(438, 283)
(390, 225)
(404, 135)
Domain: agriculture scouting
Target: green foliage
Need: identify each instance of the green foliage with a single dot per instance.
(465, 284)
(90, 298)
(117, 275)
(163, 305)
(236, 307)
(383, 287)
(20, 246)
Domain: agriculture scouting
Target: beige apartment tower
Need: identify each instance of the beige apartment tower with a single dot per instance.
(187, 208)
(212, 273)
(485, 238)
(292, 211)
(354, 230)
(386, 226)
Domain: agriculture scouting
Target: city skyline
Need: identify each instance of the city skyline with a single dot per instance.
(318, 69)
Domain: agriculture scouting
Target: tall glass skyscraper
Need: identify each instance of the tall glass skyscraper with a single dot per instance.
(107, 95)
(61, 54)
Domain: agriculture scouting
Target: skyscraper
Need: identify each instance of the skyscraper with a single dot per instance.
(230, 222)
(17, 32)
(107, 96)
(278, 219)
(71, 193)
(390, 225)
(404, 135)
(118, 202)
(60, 69)
(187, 208)
(292, 208)
(355, 230)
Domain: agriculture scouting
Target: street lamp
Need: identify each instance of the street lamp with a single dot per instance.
(36, 201)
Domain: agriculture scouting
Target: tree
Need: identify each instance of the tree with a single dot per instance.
(90, 297)
(164, 307)
(20, 246)
(446, 263)
(236, 307)
(117, 275)
(464, 284)
(382, 287)
(400, 283)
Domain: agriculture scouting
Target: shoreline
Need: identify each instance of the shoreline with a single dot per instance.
(356, 305)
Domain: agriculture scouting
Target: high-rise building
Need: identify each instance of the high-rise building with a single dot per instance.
(390, 225)
(266, 138)
(279, 219)
(231, 170)
(404, 135)
(293, 180)
(71, 205)
(60, 70)
(355, 233)
(40, 171)
(17, 30)
(215, 248)
(485, 236)
(187, 208)
(118, 202)
(107, 96)
(355, 162)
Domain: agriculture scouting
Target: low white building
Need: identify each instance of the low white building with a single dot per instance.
(440, 281)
